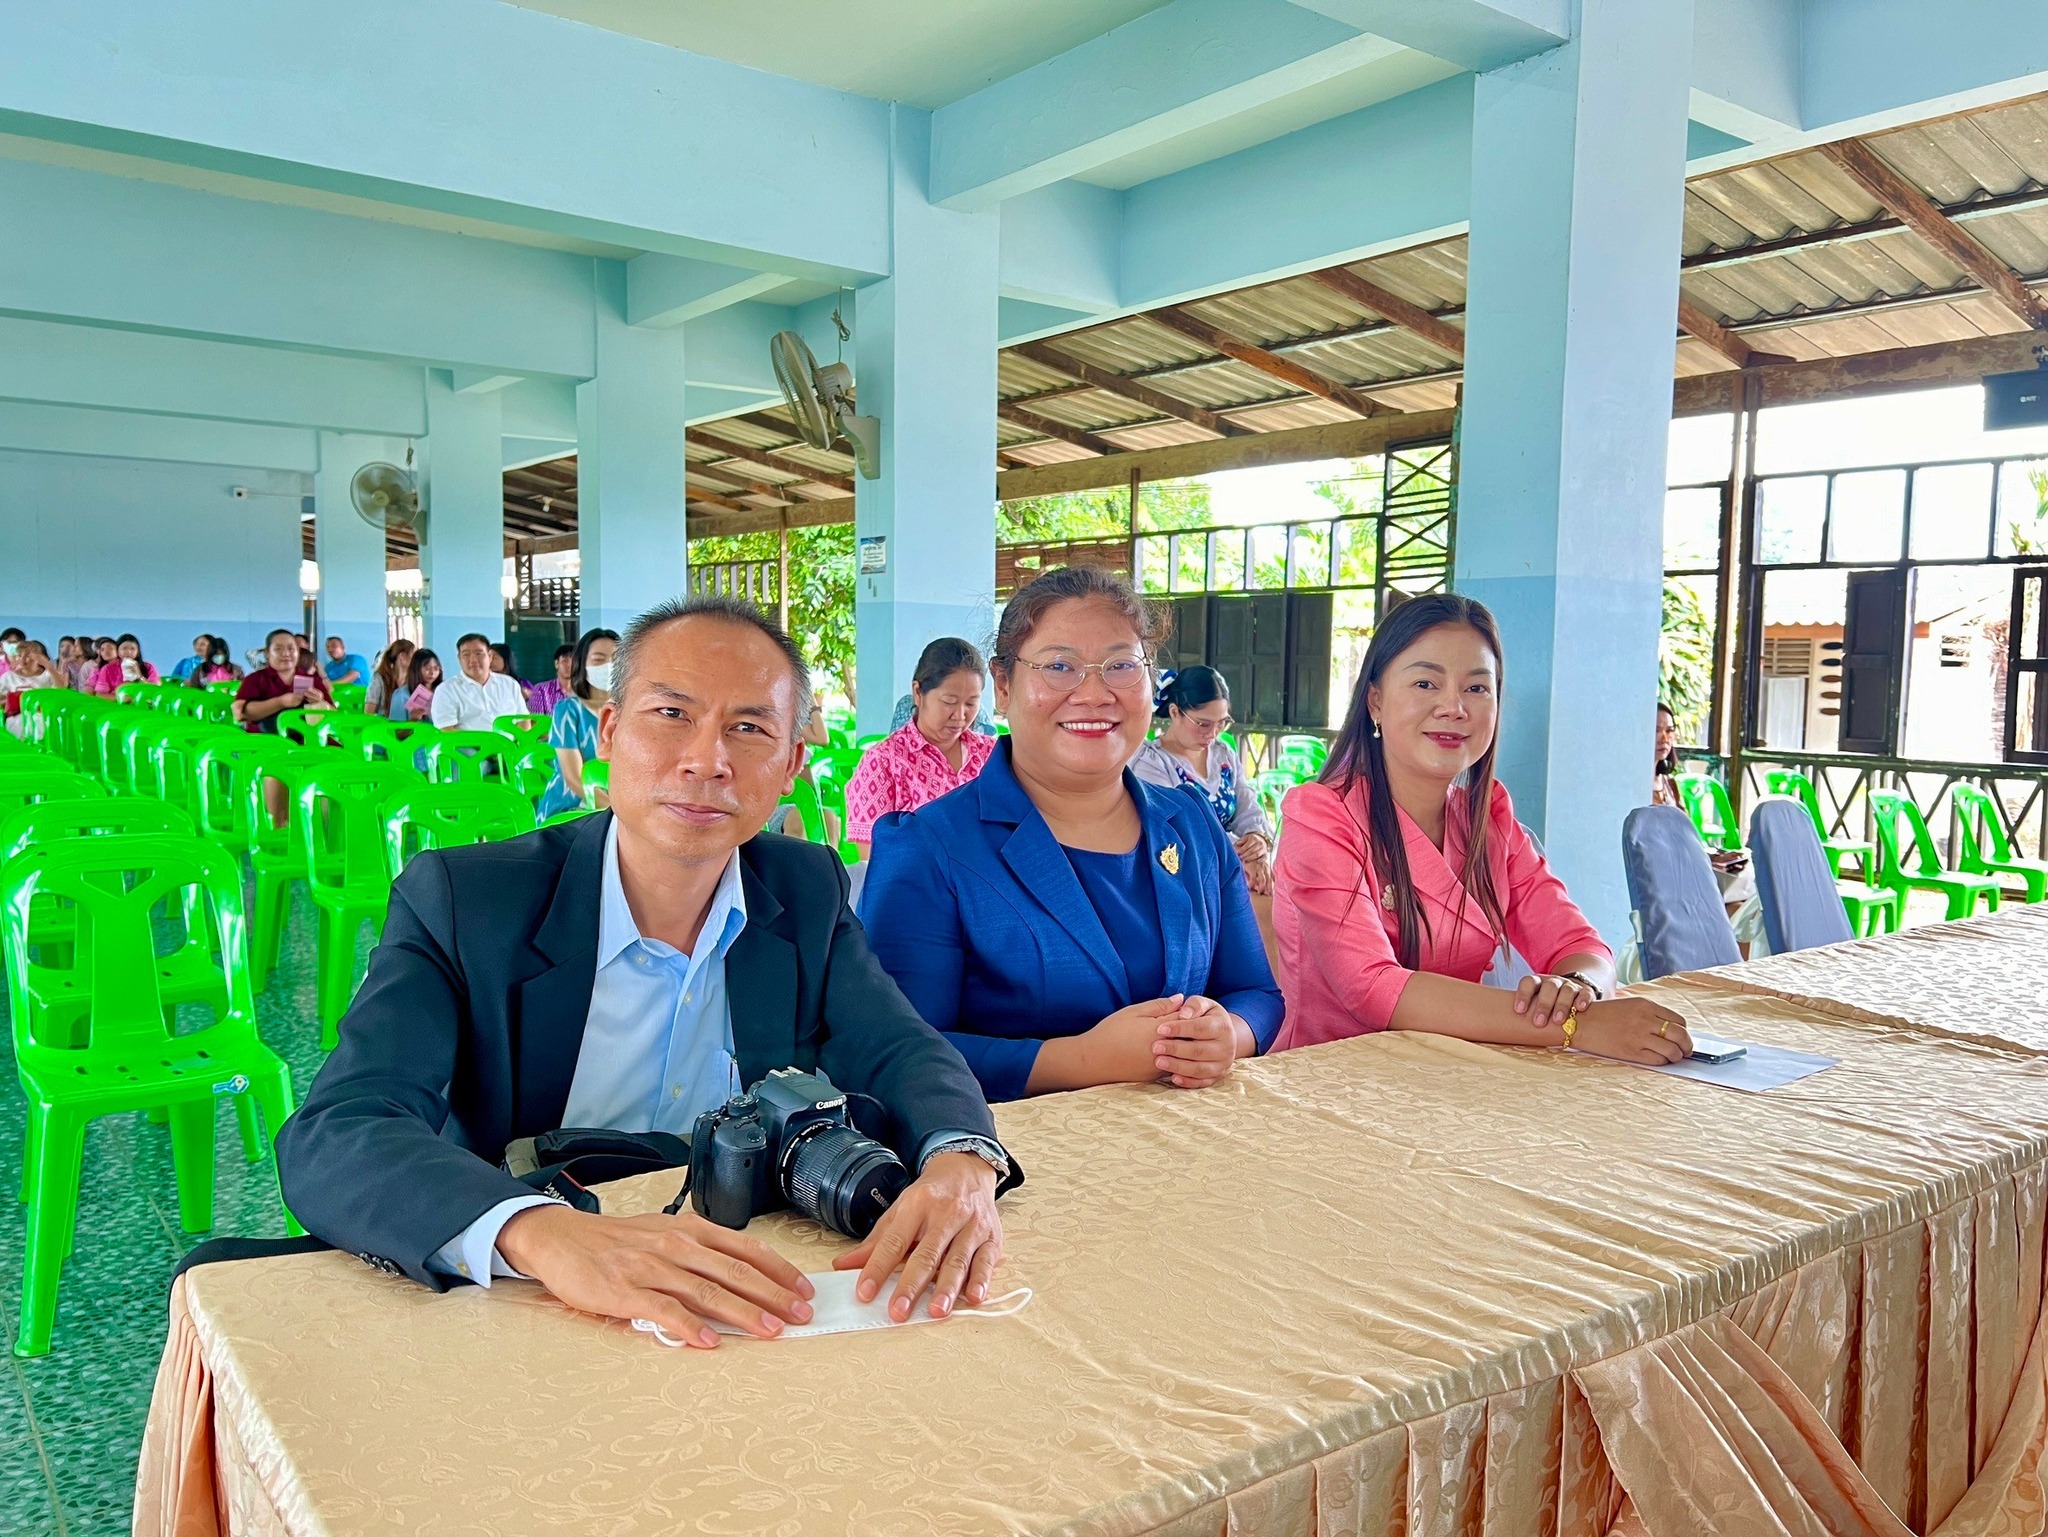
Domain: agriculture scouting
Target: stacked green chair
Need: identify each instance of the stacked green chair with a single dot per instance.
(173, 763)
(1838, 850)
(1984, 849)
(1706, 802)
(126, 1058)
(112, 730)
(299, 727)
(1919, 868)
(440, 816)
(39, 714)
(346, 731)
(136, 693)
(338, 827)
(460, 757)
(574, 813)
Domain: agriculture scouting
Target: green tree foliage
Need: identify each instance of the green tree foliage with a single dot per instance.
(820, 591)
(1102, 514)
(1685, 656)
(2029, 534)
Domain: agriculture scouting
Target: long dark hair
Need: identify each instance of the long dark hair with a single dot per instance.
(417, 666)
(1356, 754)
(579, 669)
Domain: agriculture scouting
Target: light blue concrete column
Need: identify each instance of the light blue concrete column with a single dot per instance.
(926, 356)
(629, 464)
(463, 556)
(349, 550)
(1578, 165)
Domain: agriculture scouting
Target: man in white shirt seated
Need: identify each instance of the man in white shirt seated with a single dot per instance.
(474, 698)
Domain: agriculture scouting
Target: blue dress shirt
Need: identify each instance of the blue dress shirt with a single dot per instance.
(657, 1045)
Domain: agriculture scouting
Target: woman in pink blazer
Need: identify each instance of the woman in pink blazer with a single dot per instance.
(1391, 899)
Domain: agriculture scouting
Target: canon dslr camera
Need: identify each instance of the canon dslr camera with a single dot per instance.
(788, 1142)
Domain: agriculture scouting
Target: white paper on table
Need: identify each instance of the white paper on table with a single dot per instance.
(1757, 1070)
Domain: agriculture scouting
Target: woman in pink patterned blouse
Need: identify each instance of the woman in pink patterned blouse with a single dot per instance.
(934, 753)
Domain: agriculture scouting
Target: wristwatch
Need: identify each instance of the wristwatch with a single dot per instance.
(987, 1149)
(1585, 982)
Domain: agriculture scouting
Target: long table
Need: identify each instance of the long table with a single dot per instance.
(1399, 1284)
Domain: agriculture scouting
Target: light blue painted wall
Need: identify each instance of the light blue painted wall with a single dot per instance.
(463, 556)
(164, 550)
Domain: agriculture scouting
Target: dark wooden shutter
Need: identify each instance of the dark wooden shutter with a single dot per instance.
(1310, 616)
(1266, 704)
(1873, 661)
(1230, 647)
(1187, 640)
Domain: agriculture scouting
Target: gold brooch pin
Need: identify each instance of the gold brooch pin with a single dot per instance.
(1169, 858)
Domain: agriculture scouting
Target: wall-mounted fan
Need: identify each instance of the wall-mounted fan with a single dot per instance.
(386, 497)
(820, 401)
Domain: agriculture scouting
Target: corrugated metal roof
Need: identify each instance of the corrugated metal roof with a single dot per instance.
(1793, 254)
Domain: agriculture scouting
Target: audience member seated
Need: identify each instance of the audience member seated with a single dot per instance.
(1731, 866)
(387, 678)
(906, 711)
(1393, 897)
(630, 970)
(94, 656)
(1065, 923)
(542, 697)
(126, 666)
(219, 667)
(422, 681)
(344, 665)
(474, 698)
(188, 665)
(572, 730)
(1187, 751)
(30, 669)
(11, 640)
(75, 661)
(934, 752)
(269, 691)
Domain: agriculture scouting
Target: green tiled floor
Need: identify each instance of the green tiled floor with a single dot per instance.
(71, 1421)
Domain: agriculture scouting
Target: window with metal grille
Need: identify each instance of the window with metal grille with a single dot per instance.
(1787, 656)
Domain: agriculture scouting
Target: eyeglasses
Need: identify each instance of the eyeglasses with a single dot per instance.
(1121, 673)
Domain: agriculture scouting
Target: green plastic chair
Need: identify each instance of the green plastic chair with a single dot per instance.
(349, 697)
(220, 783)
(597, 775)
(136, 693)
(276, 857)
(1838, 850)
(1926, 872)
(524, 727)
(338, 728)
(1984, 848)
(174, 763)
(530, 770)
(441, 816)
(863, 743)
(1706, 802)
(462, 757)
(112, 731)
(128, 1060)
(804, 796)
(338, 818)
(41, 709)
(299, 727)
(224, 688)
(573, 814)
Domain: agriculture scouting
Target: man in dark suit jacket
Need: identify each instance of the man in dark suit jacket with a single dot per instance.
(626, 970)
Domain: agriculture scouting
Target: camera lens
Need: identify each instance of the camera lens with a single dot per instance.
(842, 1179)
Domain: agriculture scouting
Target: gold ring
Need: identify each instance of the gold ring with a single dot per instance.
(1664, 1030)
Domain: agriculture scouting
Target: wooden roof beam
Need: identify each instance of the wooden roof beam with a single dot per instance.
(724, 479)
(1409, 317)
(1913, 208)
(770, 461)
(1033, 421)
(1126, 389)
(1696, 322)
(1216, 339)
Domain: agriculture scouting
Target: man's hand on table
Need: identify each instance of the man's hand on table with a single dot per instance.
(943, 1231)
(682, 1272)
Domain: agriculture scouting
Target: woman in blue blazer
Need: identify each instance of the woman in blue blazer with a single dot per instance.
(1062, 922)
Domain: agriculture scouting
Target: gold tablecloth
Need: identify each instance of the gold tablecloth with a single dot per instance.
(1397, 1285)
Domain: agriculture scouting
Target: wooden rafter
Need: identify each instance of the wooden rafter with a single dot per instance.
(1696, 322)
(770, 461)
(1913, 208)
(1127, 389)
(1864, 373)
(1409, 317)
(724, 478)
(1216, 339)
(1045, 426)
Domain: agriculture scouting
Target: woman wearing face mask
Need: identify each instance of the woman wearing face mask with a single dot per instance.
(127, 666)
(11, 641)
(1403, 876)
(935, 751)
(573, 734)
(1063, 922)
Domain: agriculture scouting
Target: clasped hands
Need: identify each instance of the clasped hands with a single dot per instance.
(1626, 1029)
(686, 1272)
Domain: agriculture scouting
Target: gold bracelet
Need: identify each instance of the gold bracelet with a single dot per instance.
(1570, 1028)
